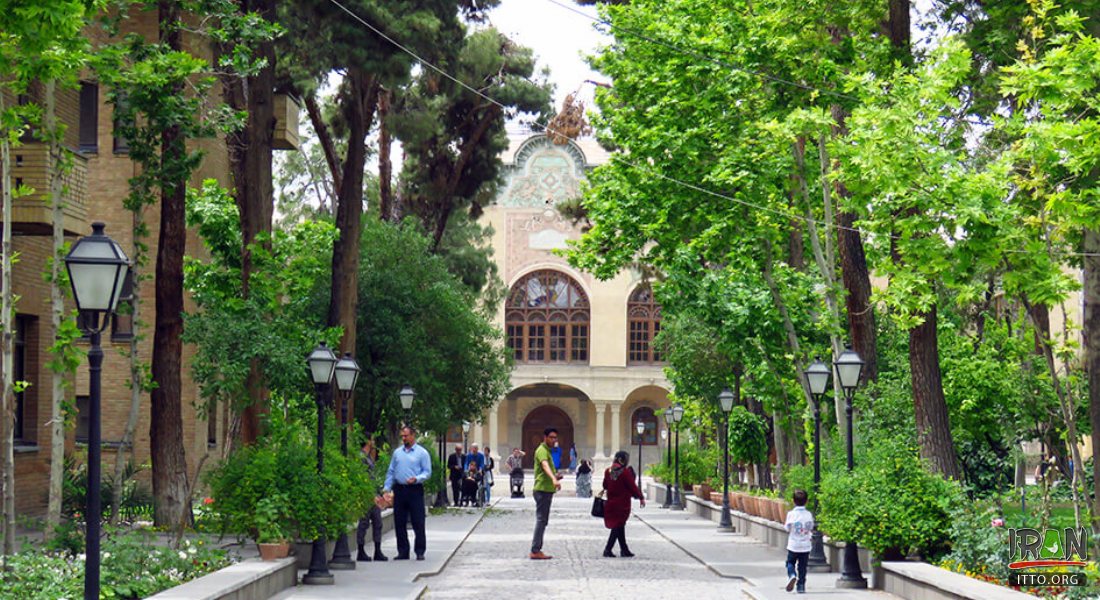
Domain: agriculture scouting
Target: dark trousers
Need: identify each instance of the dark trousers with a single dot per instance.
(408, 505)
(372, 519)
(542, 517)
(456, 490)
(618, 534)
(796, 566)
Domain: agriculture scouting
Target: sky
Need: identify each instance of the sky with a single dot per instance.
(559, 37)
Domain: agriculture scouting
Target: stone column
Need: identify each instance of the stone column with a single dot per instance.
(601, 408)
(494, 439)
(615, 429)
(477, 435)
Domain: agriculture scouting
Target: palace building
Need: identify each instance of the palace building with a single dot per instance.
(584, 358)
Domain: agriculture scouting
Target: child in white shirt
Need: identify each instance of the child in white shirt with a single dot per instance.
(800, 527)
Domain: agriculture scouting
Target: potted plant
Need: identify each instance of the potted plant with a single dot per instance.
(268, 518)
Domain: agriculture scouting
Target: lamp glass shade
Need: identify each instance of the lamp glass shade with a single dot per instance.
(849, 366)
(818, 375)
(97, 271)
(664, 434)
(668, 416)
(465, 427)
(677, 413)
(726, 400)
(407, 396)
(347, 373)
(640, 426)
(322, 363)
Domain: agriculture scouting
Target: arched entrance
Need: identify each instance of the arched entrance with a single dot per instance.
(536, 422)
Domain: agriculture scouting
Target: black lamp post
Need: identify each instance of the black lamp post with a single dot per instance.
(441, 495)
(849, 366)
(407, 396)
(726, 399)
(322, 364)
(817, 375)
(347, 374)
(668, 457)
(640, 428)
(677, 416)
(97, 269)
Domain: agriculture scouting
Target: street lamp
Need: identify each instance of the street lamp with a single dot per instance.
(849, 366)
(726, 399)
(640, 427)
(97, 269)
(817, 375)
(322, 364)
(668, 459)
(677, 416)
(407, 396)
(465, 445)
(347, 374)
(441, 495)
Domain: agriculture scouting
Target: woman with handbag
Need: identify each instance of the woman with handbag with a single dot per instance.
(618, 482)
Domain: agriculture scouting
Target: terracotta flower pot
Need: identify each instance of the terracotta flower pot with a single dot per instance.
(716, 497)
(274, 551)
(735, 502)
(750, 504)
(777, 513)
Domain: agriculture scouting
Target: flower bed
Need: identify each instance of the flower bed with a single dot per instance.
(132, 567)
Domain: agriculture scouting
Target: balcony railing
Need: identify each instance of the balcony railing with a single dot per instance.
(32, 214)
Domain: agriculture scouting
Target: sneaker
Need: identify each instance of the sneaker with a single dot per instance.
(801, 589)
(790, 582)
(540, 556)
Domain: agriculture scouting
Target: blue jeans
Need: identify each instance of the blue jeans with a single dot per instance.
(796, 566)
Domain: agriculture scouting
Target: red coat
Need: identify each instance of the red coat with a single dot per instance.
(619, 492)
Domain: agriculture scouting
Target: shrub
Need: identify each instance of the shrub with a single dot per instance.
(977, 547)
(889, 503)
(748, 436)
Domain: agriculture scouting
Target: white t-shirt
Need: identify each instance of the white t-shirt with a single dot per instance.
(800, 525)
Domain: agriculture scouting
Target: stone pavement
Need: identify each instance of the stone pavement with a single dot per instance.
(736, 556)
(395, 579)
(493, 562)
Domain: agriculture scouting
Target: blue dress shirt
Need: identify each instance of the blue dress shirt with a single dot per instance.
(475, 457)
(406, 463)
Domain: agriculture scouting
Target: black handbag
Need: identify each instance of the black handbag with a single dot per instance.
(597, 505)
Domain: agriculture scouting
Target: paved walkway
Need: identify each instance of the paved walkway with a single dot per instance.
(493, 562)
(760, 566)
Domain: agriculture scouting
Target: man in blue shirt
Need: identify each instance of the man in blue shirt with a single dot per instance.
(410, 467)
(474, 456)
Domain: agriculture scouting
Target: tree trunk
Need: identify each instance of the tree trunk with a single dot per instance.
(358, 111)
(385, 164)
(255, 195)
(57, 313)
(930, 406)
(7, 367)
(1091, 327)
(137, 371)
(170, 491)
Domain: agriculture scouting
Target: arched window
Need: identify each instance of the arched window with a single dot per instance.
(644, 323)
(547, 319)
(645, 415)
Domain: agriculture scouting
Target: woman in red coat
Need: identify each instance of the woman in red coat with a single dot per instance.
(618, 482)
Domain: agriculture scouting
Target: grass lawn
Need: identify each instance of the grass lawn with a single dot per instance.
(1061, 515)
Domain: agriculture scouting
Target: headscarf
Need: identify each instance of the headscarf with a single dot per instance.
(584, 468)
(622, 459)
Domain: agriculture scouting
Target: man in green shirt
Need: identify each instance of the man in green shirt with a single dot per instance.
(547, 481)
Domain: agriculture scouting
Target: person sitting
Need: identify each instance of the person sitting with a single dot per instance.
(470, 483)
(584, 480)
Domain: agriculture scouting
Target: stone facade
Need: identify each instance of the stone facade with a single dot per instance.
(596, 399)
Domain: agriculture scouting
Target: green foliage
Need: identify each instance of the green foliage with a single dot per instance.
(891, 502)
(748, 436)
(976, 545)
(135, 501)
(276, 323)
(282, 467)
(133, 566)
(697, 465)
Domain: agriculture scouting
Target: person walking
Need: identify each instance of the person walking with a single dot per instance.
(455, 467)
(547, 481)
(490, 464)
(515, 472)
(474, 456)
(618, 482)
(584, 480)
(572, 458)
(373, 518)
(800, 528)
(410, 467)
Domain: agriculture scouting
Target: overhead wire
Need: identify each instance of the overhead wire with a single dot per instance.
(619, 157)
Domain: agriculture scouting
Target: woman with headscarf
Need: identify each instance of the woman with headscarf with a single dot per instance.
(618, 482)
(584, 480)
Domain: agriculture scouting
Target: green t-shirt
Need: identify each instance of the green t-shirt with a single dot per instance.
(543, 482)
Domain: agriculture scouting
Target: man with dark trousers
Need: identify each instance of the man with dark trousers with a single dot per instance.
(410, 467)
(373, 518)
(456, 464)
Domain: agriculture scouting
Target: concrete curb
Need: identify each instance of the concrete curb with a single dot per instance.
(693, 555)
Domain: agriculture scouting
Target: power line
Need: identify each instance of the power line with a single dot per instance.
(619, 157)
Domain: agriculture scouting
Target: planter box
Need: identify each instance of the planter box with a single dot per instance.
(716, 497)
(736, 502)
(702, 491)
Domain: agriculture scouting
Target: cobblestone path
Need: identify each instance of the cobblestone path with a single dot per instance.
(493, 563)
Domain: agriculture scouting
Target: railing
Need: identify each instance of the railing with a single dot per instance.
(32, 214)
